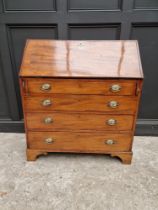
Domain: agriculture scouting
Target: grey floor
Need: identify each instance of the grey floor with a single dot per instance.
(77, 182)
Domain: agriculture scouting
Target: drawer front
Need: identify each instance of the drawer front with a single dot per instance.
(86, 142)
(60, 102)
(81, 86)
(78, 121)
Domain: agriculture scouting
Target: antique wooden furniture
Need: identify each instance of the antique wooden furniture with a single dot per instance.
(80, 96)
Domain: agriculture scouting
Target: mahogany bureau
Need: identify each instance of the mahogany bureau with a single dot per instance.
(80, 96)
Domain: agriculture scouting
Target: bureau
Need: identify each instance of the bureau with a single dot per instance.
(80, 96)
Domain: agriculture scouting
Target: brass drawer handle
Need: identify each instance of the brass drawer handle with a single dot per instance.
(111, 122)
(113, 104)
(48, 120)
(46, 102)
(110, 142)
(45, 87)
(49, 140)
(115, 88)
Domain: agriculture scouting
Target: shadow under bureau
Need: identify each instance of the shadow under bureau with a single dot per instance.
(80, 96)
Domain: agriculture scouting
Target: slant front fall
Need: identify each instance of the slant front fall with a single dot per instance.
(119, 59)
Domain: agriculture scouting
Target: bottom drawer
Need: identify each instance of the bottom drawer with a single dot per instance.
(82, 142)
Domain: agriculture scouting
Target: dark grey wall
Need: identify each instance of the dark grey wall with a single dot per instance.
(77, 19)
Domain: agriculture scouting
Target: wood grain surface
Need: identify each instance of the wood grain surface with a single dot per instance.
(86, 103)
(80, 86)
(78, 121)
(51, 58)
(73, 141)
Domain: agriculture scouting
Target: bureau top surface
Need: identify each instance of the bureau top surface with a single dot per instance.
(85, 59)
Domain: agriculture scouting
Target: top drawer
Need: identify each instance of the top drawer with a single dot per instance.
(80, 86)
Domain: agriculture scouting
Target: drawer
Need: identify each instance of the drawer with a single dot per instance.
(86, 142)
(61, 102)
(78, 121)
(81, 86)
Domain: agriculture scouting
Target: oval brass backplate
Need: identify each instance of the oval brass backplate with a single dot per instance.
(46, 102)
(111, 122)
(115, 88)
(49, 140)
(46, 87)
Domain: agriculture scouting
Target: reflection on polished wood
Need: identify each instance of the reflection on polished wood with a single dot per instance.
(81, 59)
